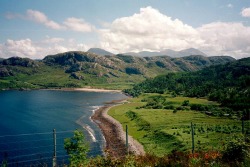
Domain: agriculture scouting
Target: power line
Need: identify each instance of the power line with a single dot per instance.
(27, 134)
(5, 143)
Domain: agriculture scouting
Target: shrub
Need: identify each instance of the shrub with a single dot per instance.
(185, 103)
(169, 107)
(132, 115)
(175, 111)
(237, 149)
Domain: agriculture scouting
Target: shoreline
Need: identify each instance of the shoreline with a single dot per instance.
(86, 89)
(113, 132)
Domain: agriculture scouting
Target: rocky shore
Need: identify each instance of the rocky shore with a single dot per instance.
(114, 135)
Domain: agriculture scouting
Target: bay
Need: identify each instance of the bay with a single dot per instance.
(29, 117)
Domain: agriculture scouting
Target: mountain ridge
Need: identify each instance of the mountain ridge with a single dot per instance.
(165, 52)
(77, 69)
(168, 52)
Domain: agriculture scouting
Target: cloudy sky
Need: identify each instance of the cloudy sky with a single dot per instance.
(38, 28)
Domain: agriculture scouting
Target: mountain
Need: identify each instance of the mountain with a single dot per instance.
(168, 52)
(78, 69)
(191, 51)
(99, 51)
(143, 54)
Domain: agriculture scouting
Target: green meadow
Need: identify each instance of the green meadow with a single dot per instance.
(163, 124)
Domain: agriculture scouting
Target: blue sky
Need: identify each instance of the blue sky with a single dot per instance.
(37, 28)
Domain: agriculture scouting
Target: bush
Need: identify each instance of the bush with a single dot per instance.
(169, 107)
(185, 103)
(132, 115)
(237, 149)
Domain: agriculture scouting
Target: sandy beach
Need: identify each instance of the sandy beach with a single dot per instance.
(96, 90)
(86, 89)
(113, 132)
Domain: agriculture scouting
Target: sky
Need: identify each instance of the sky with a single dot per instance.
(35, 29)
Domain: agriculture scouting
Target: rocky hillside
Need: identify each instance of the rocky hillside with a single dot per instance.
(146, 66)
(77, 69)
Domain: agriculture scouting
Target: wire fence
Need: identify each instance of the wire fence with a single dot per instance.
(31, 149)
(38, 149)
(187, 136)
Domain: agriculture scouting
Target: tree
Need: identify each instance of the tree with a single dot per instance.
(76, 148)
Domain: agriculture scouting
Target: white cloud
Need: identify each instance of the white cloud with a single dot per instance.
(225, 39)
(148, 30)
(230, 5)
(20, 48)
(76, 24)
(41, 18)
(245, 12)
(153, 31)
(39, 49)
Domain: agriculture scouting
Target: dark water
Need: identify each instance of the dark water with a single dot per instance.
(27, 120)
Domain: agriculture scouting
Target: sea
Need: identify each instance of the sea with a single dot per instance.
(34, 124)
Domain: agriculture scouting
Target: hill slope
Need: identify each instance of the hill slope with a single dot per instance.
(78, 69)
(228, 84)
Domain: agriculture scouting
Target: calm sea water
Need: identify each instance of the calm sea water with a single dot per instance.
(29, 117)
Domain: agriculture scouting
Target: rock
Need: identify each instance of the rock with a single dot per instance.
(4, 72)
(76, 76)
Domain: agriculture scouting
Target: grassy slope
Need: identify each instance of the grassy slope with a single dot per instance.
(48, 77)
(169, 131)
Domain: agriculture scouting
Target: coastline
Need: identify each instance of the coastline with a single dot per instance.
(112, 130)
(87, 89)
(113, 133)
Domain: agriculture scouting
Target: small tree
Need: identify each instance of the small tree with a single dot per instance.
(76, 148)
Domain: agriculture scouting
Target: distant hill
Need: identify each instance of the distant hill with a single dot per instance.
(99, 51)
(168, 52)
(78, 69)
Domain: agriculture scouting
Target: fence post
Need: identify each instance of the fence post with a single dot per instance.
(192, 130)
(127, 138)
(54, 156)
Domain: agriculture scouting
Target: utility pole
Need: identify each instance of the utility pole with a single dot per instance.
(54, 156)
(127, 138)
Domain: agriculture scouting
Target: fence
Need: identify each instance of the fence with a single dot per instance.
(39, 149)
(162, 139)
(47, 149)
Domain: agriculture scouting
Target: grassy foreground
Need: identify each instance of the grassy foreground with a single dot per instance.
(167, 127)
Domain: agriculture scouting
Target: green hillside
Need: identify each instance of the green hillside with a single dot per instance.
(80, 69)
(228, 84)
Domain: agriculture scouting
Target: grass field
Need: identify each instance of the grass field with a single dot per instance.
(161, 131)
